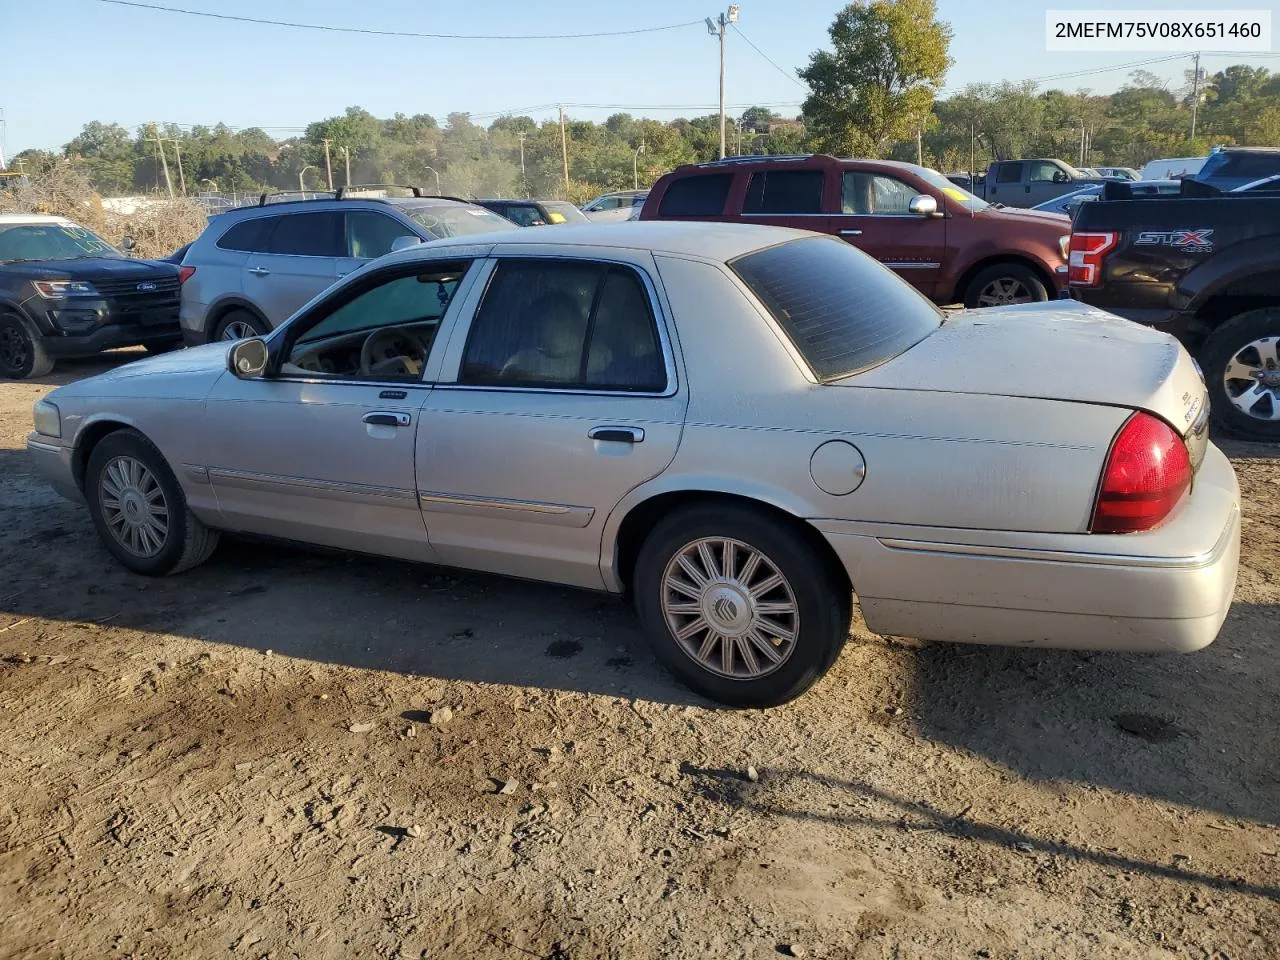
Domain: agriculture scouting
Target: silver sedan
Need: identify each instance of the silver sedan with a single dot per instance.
(740, 427)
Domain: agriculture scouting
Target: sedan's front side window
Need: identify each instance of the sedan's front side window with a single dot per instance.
(565, 324)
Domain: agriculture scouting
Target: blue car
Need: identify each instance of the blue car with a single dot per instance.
(1231, 167)
(1069, 203)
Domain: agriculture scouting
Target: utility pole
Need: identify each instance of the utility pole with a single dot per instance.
(1195, 97)
(520, 136)
(919, 145)
(182, 177)
(973, 174)
(1080, 120)
(716, 28)
(564, 150)
(635, 166)
(301, 174)
(168, 181)
(346, 162)
(328, 166)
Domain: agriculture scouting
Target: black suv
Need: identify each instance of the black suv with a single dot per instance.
(66, 292)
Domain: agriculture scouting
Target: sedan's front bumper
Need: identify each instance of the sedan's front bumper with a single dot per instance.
(54, 461)
(1165, 590)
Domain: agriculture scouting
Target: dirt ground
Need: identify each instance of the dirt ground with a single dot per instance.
(241, 762)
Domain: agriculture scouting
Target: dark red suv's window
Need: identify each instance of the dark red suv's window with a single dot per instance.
(784, 191)
(700, 196)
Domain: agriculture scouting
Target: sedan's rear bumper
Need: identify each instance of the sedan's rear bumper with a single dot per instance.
(1166, 590)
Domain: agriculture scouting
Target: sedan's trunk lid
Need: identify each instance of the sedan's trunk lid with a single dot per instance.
(1059, 350)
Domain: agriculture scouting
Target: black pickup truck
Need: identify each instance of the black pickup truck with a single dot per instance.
(66, 292)
(1204, 266)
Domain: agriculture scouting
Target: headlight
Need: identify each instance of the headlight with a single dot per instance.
(1064, 244)
(48, 419)
(57, 289)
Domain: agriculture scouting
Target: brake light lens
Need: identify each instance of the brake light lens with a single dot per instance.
(1084, 263)
(1148, 471)
(184, 274)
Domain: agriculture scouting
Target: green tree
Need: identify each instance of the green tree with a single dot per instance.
(890, 58)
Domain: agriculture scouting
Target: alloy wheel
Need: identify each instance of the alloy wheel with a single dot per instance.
(238, 330)
(730, 608)
(1252, 379)
(13, 348)
(1004, 291)
(134, 507)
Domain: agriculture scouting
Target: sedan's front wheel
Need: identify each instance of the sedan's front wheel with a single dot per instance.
(739, 606)
(139, 509)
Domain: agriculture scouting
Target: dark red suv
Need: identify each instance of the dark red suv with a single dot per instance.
(951, 245)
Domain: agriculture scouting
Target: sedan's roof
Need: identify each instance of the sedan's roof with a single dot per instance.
(707, 241)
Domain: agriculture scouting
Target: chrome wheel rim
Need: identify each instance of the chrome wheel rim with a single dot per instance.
(729, 608)
(134, 507)
(1004, 291)
(238, 330)
(1252, 379)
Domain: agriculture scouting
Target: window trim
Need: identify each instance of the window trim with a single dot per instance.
(484, 277)
(283, 338)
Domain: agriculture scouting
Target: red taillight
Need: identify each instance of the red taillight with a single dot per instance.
(184, 274)
(1147, 472)
(1084, 261)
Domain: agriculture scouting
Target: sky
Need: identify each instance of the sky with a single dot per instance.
(94, 60)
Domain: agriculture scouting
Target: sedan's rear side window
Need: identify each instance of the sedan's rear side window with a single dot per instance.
(700, 196)
(844, 312)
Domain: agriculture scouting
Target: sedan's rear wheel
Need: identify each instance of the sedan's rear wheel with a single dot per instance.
(740, 607)
(139, 509)
(1004, 284)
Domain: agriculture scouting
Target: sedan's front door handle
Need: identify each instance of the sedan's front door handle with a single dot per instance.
(385, 419)
(850, 233)
(260, 272)
(617, 434)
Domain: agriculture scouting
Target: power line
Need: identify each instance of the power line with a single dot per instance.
(399, 33)
(790, 76)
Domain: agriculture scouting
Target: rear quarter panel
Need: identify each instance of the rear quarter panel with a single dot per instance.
(756, 417)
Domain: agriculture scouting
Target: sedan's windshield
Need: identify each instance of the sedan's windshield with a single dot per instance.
(455, 220)
(958, 194)
(844, 312)
(51, 241)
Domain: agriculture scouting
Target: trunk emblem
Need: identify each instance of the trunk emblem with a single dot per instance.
(146, 286)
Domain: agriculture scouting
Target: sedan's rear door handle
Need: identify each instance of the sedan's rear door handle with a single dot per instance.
(850, 233)
(385, 419)
(260, 272)
(617, 434)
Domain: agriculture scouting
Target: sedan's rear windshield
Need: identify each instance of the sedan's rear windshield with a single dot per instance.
(844, 312)
(455, 219)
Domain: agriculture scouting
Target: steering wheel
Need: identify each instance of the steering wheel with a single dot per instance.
(375, 358)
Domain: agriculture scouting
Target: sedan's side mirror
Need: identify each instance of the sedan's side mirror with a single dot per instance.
(923, 205)
(248, 359)
(404, 243)
(127, 244)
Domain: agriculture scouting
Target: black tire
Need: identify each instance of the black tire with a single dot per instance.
(22, 355)
(1231, 338)
(1004, 273)
(821, 598)
(186, 542)
(234, 318)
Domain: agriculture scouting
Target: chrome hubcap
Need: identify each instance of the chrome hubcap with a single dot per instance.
(730, 609)
(999, 293)
(134, 507)
(1252, 379)
(238, 330)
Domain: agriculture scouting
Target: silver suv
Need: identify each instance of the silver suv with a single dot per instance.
(253, 267)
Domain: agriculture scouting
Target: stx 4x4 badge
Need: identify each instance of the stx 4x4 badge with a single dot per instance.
(1188, 241)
